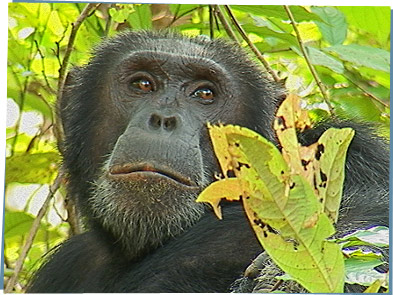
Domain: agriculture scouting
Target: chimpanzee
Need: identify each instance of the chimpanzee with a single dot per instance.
(137, 153)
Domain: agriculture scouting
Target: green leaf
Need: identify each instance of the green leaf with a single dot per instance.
(356, 107)
(376, 236)
(334, 27)
(141, 17)
(360, 252)
(332, 151)
(266, 32)
(371, 57)
(181, 9)
(362, 272)
(227, 188)
(119, 15)
(31, 102)
(299, 12)
(301, 250)
(380, 77)
(54, 24)
(295, 237)
(372, 19)
(17, 224)
(32, 168)
(320, 58)
(374, 287)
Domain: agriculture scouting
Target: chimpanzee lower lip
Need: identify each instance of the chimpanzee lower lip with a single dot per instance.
(150, 170)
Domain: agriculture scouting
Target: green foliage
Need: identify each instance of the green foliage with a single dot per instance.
(373, 58)
(17, 224)
(347, 45)
(373, 20)
(360, 264)
(375, 236)
(32, 168)
(333, 25)
(289, 216)
(335, 144)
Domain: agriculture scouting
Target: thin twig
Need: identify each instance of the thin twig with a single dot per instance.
(307, 58)
(22, 96)
(276, 285)
(72, 216)
(177, 17)
(364, 90)
(108, 23)
(43, 68)
(225, 23)
(33, 231)
(75, 27)
(211, 23)
(252, 46)
(63, 67)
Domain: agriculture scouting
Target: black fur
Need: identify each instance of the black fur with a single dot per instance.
(146, 234)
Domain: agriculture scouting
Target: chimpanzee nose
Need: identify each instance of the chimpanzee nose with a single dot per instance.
(157, 122)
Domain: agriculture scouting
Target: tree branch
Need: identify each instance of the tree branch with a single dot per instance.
(63, 67)
(348, 75)
(33, 231)
(226, 25)
(252, 46)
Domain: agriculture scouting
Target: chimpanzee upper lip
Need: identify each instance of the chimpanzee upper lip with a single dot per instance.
(128, 169)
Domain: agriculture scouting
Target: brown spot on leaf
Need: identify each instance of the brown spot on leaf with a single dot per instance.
(230, 173)
(320, 151)
(305, 163)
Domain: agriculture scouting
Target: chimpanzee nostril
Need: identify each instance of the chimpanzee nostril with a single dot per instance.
(167, 123)
(170, 123)
(155, 121)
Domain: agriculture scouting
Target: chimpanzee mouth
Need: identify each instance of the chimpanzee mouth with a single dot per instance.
(142, 171)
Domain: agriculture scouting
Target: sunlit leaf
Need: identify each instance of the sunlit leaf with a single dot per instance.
(318, 57)
(141, 17)
(378, 236)
(372, 19)
(330, 171)
(17, 224)
(32, 168)
(360, 271)
(371, 57)
(333, 26)
(374, 287)
(266, 32)
(299, 12)
(356, 107)
(295, 242)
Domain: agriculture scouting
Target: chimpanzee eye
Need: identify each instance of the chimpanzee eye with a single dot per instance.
(143, 84)
(204, 93)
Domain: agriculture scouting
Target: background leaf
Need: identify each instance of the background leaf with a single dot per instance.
(371, 57)
(32, 168)
(334, 27)
(371, 19)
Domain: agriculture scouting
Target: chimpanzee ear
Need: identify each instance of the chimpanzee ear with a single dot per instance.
(65, 100)
(71, 81)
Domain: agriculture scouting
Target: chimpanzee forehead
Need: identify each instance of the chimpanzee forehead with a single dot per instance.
(181, 48)
(170, 47)
(159, 57)
(168, 63)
